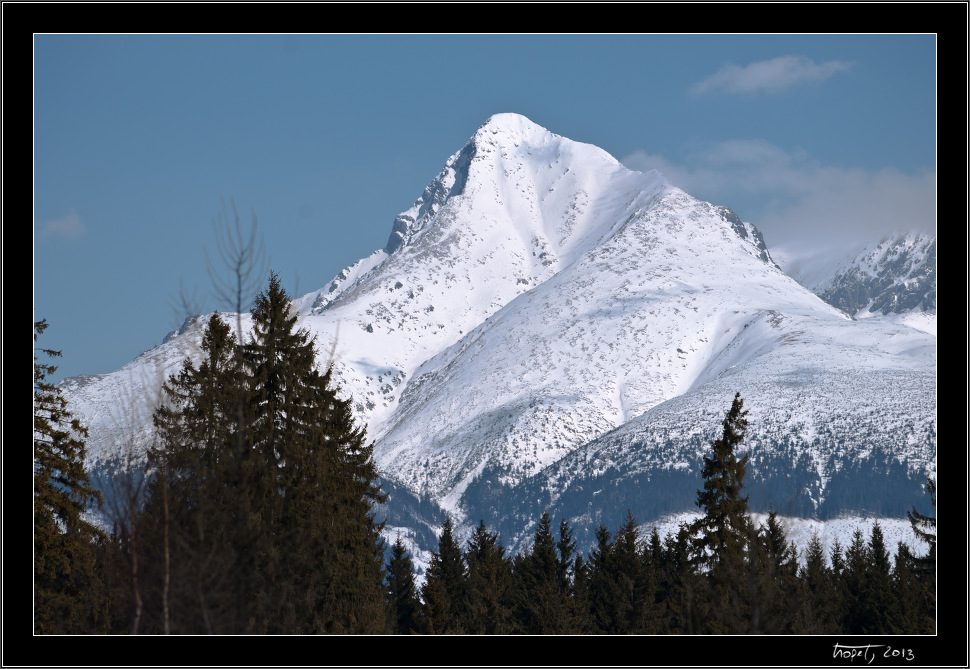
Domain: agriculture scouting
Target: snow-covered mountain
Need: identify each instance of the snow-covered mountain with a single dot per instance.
(546, 329)
(895, 275)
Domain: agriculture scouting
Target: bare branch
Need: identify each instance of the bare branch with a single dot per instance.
(185, 305)
(244, 257)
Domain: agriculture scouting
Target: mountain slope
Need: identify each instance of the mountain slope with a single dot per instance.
(548, 329)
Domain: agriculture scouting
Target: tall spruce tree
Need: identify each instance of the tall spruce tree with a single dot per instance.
(445, 590)
(323, 571)
(602, 591)
(924, 527)
(857, 616)
(723, 535)
(193, 517)
(724, 530)
(815, 610)
(774, 574)
(402, 597)
(541, 593)
(489, 584)
(683, 588)
(69, 594)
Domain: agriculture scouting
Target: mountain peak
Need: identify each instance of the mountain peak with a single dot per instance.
(525, 166)
(514, 135)
(511, 125)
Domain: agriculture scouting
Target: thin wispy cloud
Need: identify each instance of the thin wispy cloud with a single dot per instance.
(68, 227)
(769, 76)
(795, 200)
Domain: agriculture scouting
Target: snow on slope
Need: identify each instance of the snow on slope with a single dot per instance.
(506, 213)
(541, 276)
(541, 309)
(833, 391)
(629, 325)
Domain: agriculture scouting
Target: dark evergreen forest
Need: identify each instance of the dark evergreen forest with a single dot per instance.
(261, 511)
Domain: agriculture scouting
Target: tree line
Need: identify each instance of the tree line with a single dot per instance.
(717, 575)
(256, 515)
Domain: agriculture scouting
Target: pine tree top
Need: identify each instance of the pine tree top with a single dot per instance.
(724, 529)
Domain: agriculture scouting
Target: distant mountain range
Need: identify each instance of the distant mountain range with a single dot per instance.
(894, 276)
(548, 330)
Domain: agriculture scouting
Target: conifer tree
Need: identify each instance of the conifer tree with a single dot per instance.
(653, 556)
(816, 588)
(868, 603)
(916, 614)
(623, 583)
(879, 586)
(445, 588)
(636, 583)
(489, 584)
(724, 530)
(567, 570)
(599, 589)
(924, 527)
(839, 588)
(69, 595)
(324, 570)
(193, 508)
(857, 613)
(402, 598)
(580, 595)
(684, 590)
(606, 601)
(541, 593)
(724, 533)
(774, 578)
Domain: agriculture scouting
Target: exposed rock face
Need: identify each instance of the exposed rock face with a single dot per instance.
(895, 276)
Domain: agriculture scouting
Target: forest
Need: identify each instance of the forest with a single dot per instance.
(257, 514)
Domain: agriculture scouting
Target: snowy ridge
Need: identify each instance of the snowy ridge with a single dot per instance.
(601, 342)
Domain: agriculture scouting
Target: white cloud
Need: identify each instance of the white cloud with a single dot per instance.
(799, 204)
(69, 227)
(641, 161)
(769, 76)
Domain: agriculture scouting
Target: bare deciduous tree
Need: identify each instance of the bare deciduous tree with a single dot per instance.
(243, 255)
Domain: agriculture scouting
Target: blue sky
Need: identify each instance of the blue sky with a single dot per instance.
(820, 141)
